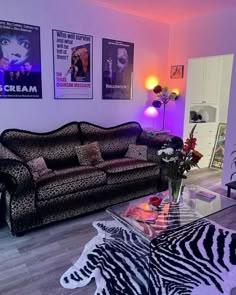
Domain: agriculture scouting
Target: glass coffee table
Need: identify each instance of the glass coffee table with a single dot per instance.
(193, 206)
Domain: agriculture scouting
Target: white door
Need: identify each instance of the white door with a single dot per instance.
(212, 81)
(195, 80)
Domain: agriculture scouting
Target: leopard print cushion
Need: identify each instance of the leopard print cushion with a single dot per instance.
(125, 164)
(137, 152)
(127, 169)
(133, 175)
(56, 147)
(89, 154)
(38, 168)
(69, 180)
(114, 141)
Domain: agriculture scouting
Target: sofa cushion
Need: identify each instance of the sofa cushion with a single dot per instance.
(127, 169)
(38, 168)
(56, 147)
(89, 154)
(114, 141)
(66, 181)
(137, 152)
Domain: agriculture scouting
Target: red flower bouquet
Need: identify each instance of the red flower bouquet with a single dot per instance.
(179, 161)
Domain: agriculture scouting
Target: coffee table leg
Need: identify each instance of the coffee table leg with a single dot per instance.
(149, 270)
(228, 192)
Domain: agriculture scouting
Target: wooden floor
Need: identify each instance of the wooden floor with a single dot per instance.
(34, 263)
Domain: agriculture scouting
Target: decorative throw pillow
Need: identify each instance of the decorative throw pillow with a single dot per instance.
(89, 154)
(137, 152)
(38, 167)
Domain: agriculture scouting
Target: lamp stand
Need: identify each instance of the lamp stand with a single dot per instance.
(163, 118)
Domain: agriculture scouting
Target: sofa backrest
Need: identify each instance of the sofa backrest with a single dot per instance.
(113, 141)
(56, 147)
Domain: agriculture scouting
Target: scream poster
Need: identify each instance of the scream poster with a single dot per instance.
(117, 69)
(72, 65)
(20, 62)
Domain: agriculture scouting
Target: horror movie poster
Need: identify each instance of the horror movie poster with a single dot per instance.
(20, 62)
(117, 69)
(72, 65)
(217, 157)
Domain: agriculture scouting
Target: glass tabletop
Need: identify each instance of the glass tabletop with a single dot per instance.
(150, 222)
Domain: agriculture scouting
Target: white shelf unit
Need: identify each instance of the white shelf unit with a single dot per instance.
(211, 113)
(207, 92)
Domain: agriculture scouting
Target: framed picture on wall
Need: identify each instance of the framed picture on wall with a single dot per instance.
(117, 69)
(20, 61)
(217, 157)
(73, 64)
(177, 72)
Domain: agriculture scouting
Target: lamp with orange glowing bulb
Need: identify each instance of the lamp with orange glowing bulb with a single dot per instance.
(163, 97)
(150, 82)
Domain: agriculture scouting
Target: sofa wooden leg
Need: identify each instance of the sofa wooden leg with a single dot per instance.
(18, 235)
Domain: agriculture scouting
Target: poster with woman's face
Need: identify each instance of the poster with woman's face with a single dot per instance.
(117, 69)
(20, 61)
(72, 65)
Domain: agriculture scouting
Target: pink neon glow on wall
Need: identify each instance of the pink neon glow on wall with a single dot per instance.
(151, 112)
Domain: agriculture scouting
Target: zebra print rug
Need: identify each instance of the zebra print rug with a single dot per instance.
(196, 259)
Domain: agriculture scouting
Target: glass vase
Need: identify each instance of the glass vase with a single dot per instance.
(175, 190)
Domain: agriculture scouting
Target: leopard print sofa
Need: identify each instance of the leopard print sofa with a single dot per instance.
(71, 189)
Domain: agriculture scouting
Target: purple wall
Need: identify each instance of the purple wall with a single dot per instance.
(213, 34)
(150, 57)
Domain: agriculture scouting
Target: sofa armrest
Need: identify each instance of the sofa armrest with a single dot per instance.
(2, 187)
(14, 173)
(20, 197)
(16, 176)
(6, 153)
(158, 141)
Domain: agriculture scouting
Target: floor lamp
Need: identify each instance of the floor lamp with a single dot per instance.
(163, 97)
